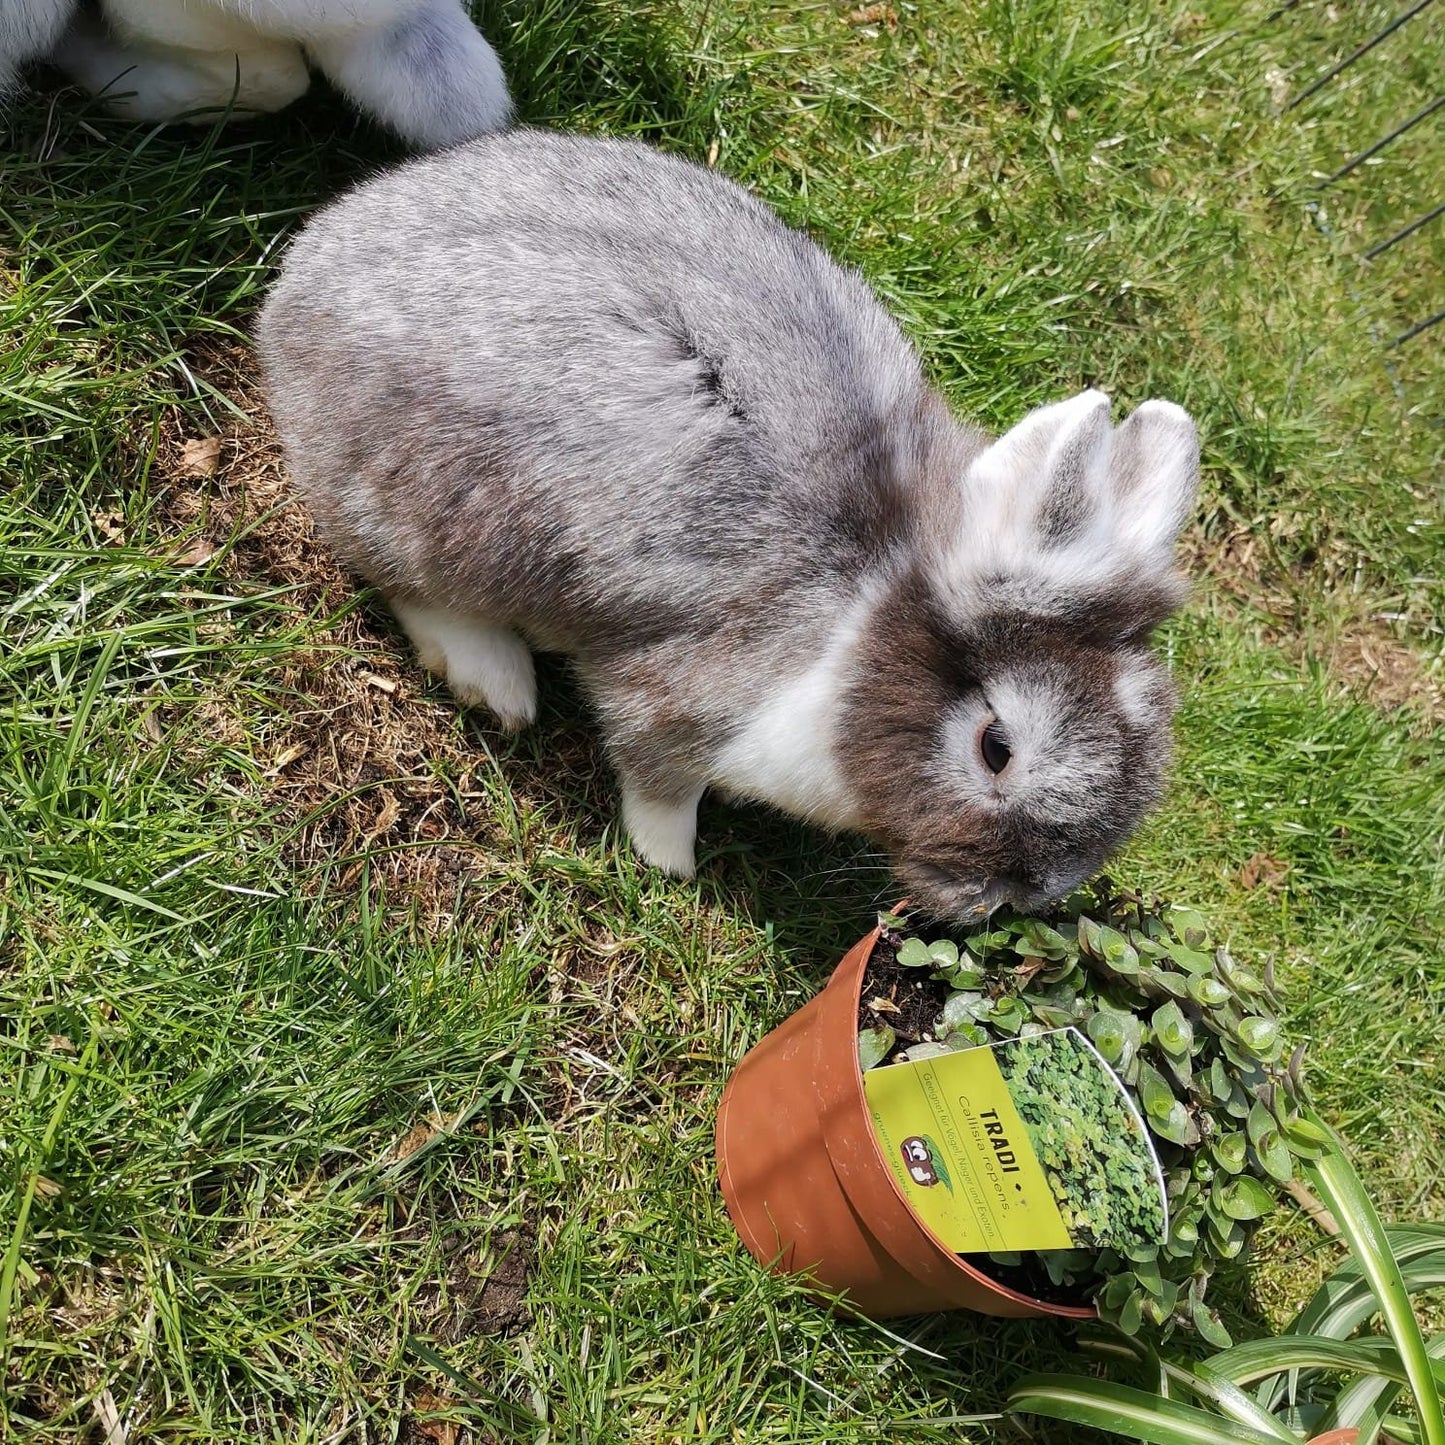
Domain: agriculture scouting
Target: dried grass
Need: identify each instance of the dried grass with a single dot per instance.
(365, 763)
(1321, 615)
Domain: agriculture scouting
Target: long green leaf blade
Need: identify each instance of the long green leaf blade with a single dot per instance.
(1344, 1193)
(1363, 1403)
(1134, 1414)
(1258, 1359)
(1212, 1388)
(1345, 1299)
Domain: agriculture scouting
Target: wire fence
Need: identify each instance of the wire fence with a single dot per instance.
(1412, 26)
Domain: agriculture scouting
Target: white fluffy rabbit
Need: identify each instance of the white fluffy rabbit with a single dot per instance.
(419, 66)
(569, 393)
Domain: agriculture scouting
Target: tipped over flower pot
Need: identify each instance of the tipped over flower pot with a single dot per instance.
(1112, 984)
(806, 1184)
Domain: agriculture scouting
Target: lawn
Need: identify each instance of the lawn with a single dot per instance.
(356, 1083)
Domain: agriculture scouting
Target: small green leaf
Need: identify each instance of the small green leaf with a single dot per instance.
(1181, 1067)
(1066, 968)
(1208, 992)
(1192, 961)
(1241, 980)
(1274, 1157)
(1154, 1094)
(1008, 1016)
(1262, 1037)
(988, 943)
(1119, 953)
(1237, 1106)
(1244, 1059)
(1184, 1236)
(1185, 921)
(1210, 1326)
(1259, 1123)
(965, 1036)
(1106, 1030)
(1306, 1138)
(928, 1049)
(1172, 1029)
(914, 954)
(1113, 1295)
(874, 1045)
(964, 976)
(1175, 1126)
(958, 1009)
(1163, 982)
(1230, 1152)
(944, 952)
(1247, 1198)
(1148, 1272)
(1227, 1236)
(1042, 940)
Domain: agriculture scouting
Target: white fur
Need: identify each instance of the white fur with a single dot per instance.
(483, 664)
(1141, 692)
(1157, 464)
(1127, 493)
(786, 752)
(459, 94)
(419, 66)
(664, 834)
(152, 80)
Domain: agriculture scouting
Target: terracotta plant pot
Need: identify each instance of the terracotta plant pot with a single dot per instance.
(807, 1188)
(1344, 1436)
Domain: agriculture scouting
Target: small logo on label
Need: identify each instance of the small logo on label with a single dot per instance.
(921, 1158)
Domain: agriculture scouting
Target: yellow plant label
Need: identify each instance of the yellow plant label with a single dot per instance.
(1030, 1144)
(950, 1133)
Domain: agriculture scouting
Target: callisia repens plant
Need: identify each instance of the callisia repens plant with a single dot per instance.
(1194, 1037)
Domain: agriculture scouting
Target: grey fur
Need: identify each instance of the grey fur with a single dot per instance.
(28, 28)
(584, 392)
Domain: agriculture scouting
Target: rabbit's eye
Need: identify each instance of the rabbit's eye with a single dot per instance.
(993, 748)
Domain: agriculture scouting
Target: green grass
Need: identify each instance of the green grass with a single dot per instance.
(317, 998)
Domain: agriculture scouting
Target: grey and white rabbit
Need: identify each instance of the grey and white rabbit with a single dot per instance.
(419, 66)
(568, 393)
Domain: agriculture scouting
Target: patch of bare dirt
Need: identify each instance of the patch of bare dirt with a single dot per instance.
(1260, 870)
(906, 1000)
(482, 1291)
(1387, 672)
(360, 753)
(1320, 614)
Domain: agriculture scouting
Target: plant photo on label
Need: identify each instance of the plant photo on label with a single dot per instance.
(1093, 1148)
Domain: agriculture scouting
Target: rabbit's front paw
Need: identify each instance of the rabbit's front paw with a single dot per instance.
(663, 833)
(484, 665)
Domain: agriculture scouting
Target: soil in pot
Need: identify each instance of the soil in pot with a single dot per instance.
(909, 1001)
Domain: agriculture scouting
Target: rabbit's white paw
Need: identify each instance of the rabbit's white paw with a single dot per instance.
(430, 76)
(662, 833)
(147, 79)
(483, 665)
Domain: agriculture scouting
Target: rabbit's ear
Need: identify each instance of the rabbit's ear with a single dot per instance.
(1064, 510)
(1155, 471)
(1045, 483)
